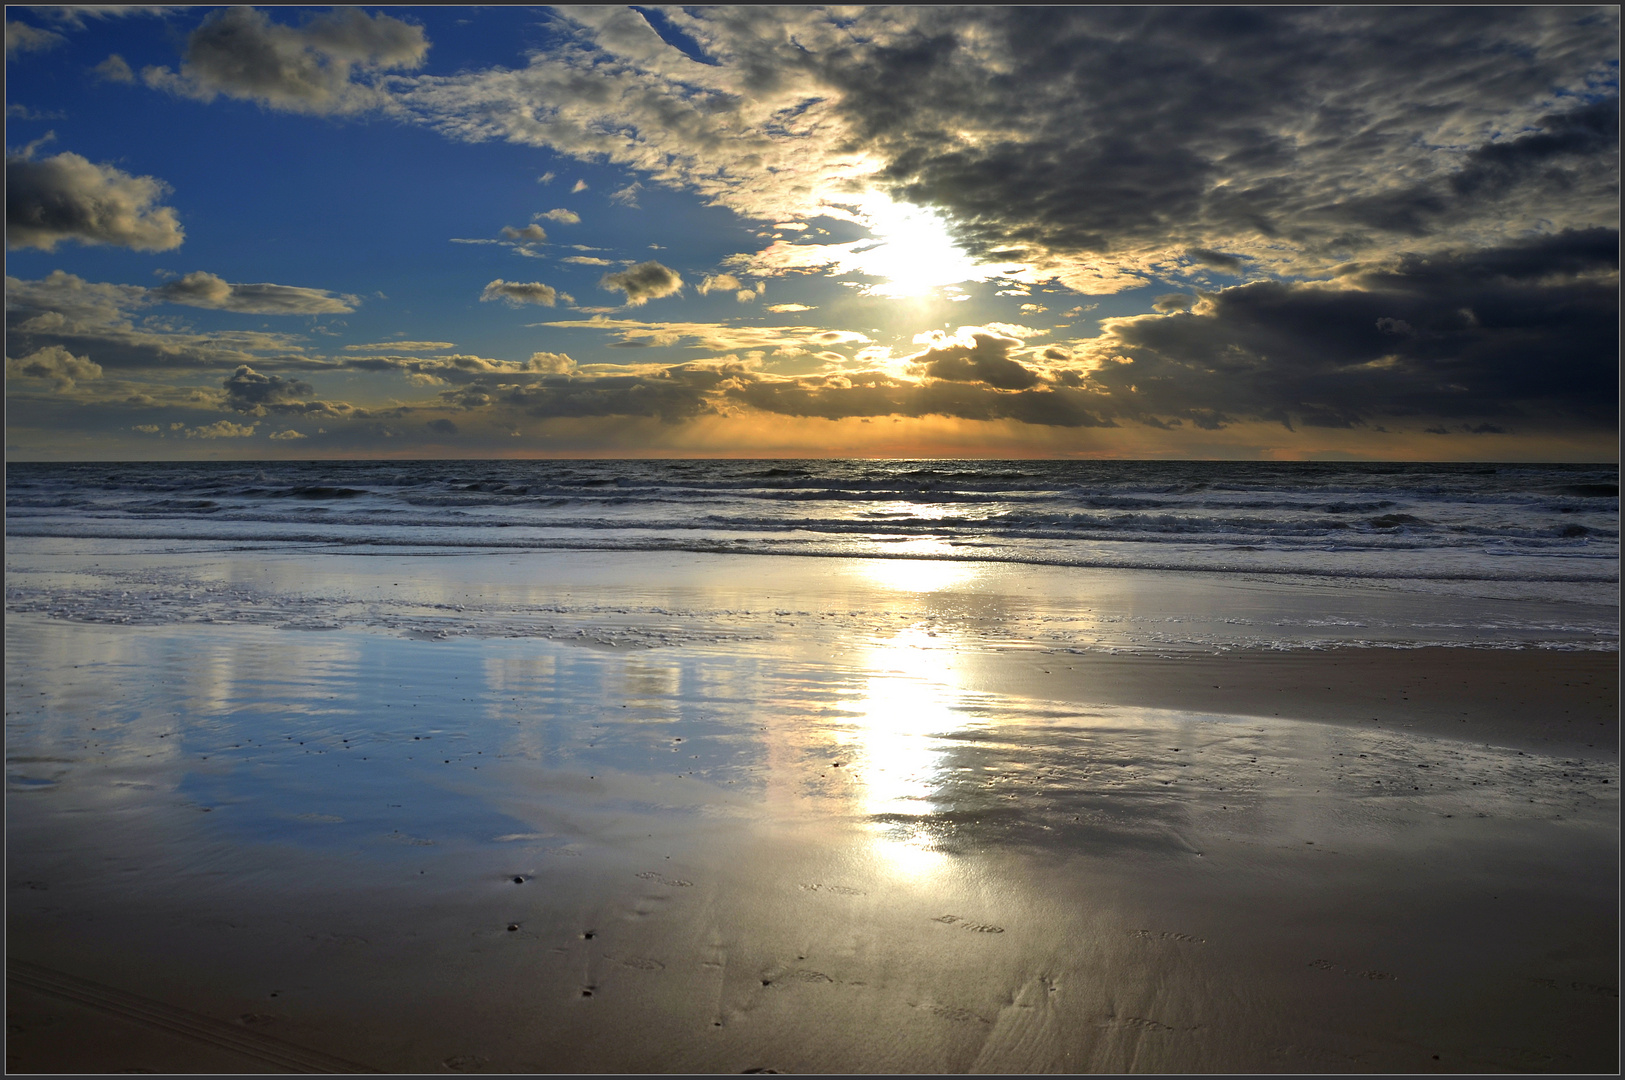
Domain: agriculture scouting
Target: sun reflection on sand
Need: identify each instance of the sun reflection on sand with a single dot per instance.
(911, 701)
(920, 575)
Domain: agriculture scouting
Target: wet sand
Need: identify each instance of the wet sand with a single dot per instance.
(241, 848)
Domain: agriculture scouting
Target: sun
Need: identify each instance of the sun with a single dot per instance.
(913, 254)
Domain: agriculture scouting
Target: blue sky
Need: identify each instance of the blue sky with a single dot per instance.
(965, 231)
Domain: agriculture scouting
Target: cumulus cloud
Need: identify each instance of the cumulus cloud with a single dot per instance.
(586, 260)
(248, 390)
(974, 355)
(722, 282)
(520, 292)
(644, 282)
(530, 234)
(563, 217)
(67, 197)
(327, 65)
(205, 290)
(55, 365)
(287, 434)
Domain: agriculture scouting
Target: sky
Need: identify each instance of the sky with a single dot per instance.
(1001, 232)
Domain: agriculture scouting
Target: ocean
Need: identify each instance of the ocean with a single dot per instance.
(1538, 544)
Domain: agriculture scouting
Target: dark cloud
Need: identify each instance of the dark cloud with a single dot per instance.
(530, 234)
(248, 390)
(241, 53)
(67, 197)
(644, 282)
(671, 394)
(441, 426)
(205, 290)
(872, 394)
(983, 358)
(521, 292)
(1173, 302)
(1527, 331)
(1117, 131)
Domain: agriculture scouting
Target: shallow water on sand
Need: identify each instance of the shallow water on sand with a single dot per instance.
(814, 849)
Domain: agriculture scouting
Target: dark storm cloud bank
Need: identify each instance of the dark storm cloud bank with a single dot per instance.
(1112, 130)
(1526, 334)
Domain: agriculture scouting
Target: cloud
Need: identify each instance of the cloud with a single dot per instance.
(1524, 332)
(530, 234)
(288, 434)
(205, 290)
(1101, 147)
(580, 186)
(53, 364)
(586, 260)
(248, 391)
(974, 355)
(720, 282)
(327, 65)
(67, 197)
(1167, 304)
(114, 69)
(441, 426)
(411, 346)
(785, 309)
(563, 217)
(520, 292)
(222, 429)
(627, 196)
(644, 282)
(21, 38)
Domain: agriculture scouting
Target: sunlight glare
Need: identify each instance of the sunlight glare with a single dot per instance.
(913, 254)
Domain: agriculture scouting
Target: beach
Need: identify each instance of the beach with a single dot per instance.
(670, 811)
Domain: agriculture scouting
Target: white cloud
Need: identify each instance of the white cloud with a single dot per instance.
(785, 309)
(520, 292)
(719, 282)
(114, 69)
(628, 195)
(21, 38)
(67, 197)
(562, 216)
(290, 433)
(586, 260)
(581, 185)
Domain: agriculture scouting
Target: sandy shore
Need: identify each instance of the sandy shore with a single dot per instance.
(244, 848)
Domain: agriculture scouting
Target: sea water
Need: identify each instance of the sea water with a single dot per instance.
(1398, 553)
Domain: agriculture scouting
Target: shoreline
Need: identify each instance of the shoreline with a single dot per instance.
(840, 843)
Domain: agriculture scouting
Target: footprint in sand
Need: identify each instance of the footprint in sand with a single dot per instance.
(1168, 935)
(838, 890)
(639, 963)
(678, 883)
(465, 1062)
(954, 1013)
(979, 928)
